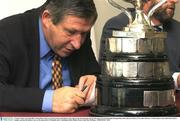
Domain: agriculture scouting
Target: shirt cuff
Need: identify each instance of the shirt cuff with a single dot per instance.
(175, 76)
(47, 101)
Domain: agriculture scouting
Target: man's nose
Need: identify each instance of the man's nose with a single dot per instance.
(76, 41)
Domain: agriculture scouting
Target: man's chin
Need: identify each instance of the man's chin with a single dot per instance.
(170, 13)
(65, 54)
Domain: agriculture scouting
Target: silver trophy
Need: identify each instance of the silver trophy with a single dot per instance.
(135, 79)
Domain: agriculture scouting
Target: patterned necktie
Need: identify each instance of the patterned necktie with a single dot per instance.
(56, 72)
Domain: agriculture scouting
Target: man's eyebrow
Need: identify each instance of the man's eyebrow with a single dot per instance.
(75, 30)
(71, 29)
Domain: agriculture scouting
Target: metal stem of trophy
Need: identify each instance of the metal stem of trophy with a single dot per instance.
(135, 79)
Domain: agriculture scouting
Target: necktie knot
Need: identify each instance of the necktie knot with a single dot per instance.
(56, 72)
(56, 61)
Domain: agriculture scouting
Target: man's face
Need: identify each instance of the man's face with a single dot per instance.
(166, 11)
(68, 35)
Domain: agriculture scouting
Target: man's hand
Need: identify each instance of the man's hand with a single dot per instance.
(90, 82)
(67, 99)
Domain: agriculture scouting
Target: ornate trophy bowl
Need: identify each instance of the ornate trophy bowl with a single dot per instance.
(135, 78)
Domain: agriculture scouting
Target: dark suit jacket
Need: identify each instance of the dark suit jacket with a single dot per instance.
(19, 63)
(172, 42)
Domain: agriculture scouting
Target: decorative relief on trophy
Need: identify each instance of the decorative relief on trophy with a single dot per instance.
(135, 79)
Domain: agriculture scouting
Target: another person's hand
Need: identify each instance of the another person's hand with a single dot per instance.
(178, 81)
(176, 77)
(90, 82)
(67, 99)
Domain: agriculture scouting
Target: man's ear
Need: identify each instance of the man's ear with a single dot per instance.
(46, 18)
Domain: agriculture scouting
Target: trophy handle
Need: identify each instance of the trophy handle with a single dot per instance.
(151, 12)
(122, 9)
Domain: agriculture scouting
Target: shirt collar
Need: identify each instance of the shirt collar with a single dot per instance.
(44, 47)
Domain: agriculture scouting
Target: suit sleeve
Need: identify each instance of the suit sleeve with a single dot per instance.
(15, 93)
(92, 65)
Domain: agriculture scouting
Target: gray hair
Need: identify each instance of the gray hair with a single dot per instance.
(81, 8)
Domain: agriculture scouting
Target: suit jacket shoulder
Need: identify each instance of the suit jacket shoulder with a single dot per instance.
(19, 63)
(172, 28)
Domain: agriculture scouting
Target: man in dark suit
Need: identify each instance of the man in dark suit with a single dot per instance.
(28, 43)
(163, 18)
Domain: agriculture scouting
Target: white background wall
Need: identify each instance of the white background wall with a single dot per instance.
(10, 7)
(105, 11)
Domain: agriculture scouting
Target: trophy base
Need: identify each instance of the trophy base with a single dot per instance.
(105, 111)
